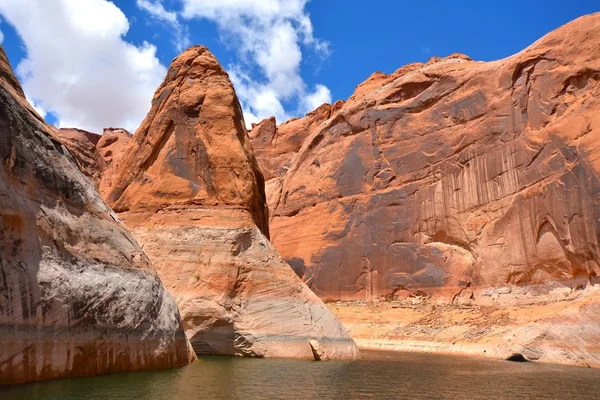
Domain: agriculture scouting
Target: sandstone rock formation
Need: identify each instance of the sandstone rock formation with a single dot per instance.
(460, 182)
(191, 192)
(78, 295)
(98, 156)
(110, 150)
(82, 146)
(275, 146)
(451, 174)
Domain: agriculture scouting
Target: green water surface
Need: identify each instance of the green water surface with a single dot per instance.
(379, 375)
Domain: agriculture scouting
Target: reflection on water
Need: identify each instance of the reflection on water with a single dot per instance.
(379, 375)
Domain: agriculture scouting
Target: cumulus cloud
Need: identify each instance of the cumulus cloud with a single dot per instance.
(157, 11)
(78, 65)
(269, 35)
(321, 95)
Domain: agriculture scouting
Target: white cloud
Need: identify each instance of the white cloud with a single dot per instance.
(270, 35)
(78, 65)
(321, 95)
(37, 107)
(156, 9)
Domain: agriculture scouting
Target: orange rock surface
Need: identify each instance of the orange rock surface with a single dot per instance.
(468, 184)
(190, 190)
(78, 296)
(452, 175)
(561, 330)
(275, 146)
(82, 146)
(96, 155)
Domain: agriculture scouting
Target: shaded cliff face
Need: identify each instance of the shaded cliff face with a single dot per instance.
(82, 146)
(190, 190)
(98, 156)
(78, 295)
(453, 177)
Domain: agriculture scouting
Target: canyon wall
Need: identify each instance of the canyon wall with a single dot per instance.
(78, 296)
(98, 156)
(460, 199)
(449, 177)
(189, 188)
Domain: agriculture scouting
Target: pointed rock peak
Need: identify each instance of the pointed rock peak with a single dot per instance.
(267, 122)
(263, 133)
(192, 148)
(190, 189)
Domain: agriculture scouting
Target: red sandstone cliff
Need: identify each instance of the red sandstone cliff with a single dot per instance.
(78, 296)
(473, 182)
(98, 156)
(190, 190)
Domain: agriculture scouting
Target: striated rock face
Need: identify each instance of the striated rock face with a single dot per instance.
(459, 182)
(454, 178)
(190, 190)
(78, 295)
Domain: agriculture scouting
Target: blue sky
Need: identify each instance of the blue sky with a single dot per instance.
(94, 64)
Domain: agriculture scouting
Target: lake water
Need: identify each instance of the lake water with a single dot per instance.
(379, 375)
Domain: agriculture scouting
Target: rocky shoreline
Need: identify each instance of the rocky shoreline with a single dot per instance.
(541, 331)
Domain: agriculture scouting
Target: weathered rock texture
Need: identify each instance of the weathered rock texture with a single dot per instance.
(78, 295)
(473, 182)
(275, 146)
(98, 156)
(82, 145)
(552, 331)
(453, 172)
(190, 190)
(110, 150)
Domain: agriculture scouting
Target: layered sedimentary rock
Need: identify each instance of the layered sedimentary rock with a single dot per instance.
(459, 182)
(78, 295)
(190, 190)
